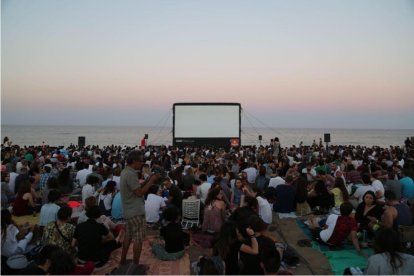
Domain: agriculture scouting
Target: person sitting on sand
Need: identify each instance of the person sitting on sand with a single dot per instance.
(173, 237)
(336, 228)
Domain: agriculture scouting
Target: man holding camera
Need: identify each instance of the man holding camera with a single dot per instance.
(133, 205)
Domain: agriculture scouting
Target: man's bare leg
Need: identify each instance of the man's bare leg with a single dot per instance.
(137, 248)
(125, 247)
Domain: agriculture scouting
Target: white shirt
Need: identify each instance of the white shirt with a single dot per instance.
(87, 191)
(48, 213)
(377, 185)
(107, 200)
(251, 174)
(153, 204)
(12, 182)
(330, 222)
(265, 210)
(11, 246)
(275, 181)
(202, 191)
(81, 176)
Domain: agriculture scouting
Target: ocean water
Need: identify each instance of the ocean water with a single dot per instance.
(131, 135)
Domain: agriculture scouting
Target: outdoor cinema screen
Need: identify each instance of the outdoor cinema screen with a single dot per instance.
(206, 120)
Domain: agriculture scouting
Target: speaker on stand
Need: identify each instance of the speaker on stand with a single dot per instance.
(81, 141)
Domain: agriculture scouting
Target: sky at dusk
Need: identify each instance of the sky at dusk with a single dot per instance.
(334, 64)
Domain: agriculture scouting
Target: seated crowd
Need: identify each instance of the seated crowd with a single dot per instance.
(344, 192)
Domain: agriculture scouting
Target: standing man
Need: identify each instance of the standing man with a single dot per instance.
(133, 205)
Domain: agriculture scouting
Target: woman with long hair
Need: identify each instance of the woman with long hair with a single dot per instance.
(14, 240)
(214, 211)
(366, 209)
(25, 203)
(65, 181)
(320, 197)
(340, 192)
(389, 258)
(227, 247)
(106, 196)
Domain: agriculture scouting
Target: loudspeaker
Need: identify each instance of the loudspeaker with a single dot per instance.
(327, 137)
(260, 137)
(81, 141)
(146, 136)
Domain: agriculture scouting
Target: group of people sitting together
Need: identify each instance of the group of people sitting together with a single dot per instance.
(82, 198)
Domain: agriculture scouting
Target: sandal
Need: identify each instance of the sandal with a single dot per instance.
(304, 243)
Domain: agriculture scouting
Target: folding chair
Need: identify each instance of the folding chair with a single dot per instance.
(191, 213)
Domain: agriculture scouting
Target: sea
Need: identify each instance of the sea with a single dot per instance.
(131, 135)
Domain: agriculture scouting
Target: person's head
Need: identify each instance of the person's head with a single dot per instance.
(320, 188)
(6, 218)
(135, 159)
(238, 183)
(52, 183)
(90, 201)
(252, 203)
(366, 178)
(171, 214)
(167, 182)
(256, 191)
(64, 213)
(210, 266)
(346, 209)
(241, 230)
(213, 194)
(93, 212)
(110, 187)
(25, 187)
(262, 171)
(257, 224)
(389, 196)
(92, 179)
(369, 198)
(203, 177)
(387, 240)
(53, 196)
(45, 255)
(153, 189)
(5, 176)
(61, 263)
(288, 179)
(340, 184)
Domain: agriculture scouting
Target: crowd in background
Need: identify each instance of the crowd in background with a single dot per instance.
(239, 190)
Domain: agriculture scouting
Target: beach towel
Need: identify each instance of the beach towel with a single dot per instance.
(156, 266)
(23, 219)
(338, 259)
(287, 215)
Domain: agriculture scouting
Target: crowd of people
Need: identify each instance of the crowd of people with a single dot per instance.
(345, 191)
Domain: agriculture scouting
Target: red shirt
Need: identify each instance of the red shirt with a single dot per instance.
(343, 227)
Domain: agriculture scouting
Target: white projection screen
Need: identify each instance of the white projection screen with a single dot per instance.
(205, 122)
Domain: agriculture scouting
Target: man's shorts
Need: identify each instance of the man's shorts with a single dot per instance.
(136, 228)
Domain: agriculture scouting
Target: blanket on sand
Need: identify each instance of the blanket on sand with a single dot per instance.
(338, 259)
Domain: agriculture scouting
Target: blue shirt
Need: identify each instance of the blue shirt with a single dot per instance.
(117, 212)
(407, 187)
